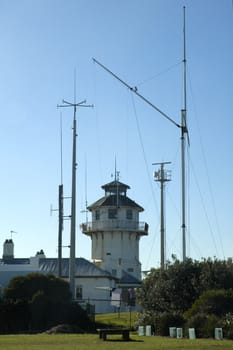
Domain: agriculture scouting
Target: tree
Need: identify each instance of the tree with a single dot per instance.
(39, 302)
(39, 307)
(173, 289)
(216, 274)
(24, 288)
(176, 288)
(213, 302)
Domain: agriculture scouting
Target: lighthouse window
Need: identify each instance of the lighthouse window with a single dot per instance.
(112, 213)
(97, 214)
(129, 214)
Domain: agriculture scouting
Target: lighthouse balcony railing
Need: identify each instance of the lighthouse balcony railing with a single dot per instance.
(114, 224)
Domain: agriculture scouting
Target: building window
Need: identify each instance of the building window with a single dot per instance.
(112, 213)
(97, 214)
(129, 214)
(79, 292)
(130, 269)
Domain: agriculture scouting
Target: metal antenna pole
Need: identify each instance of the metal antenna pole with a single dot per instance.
(60, 207)
(162, 176)
(73, 195)
(184, 131)
(60, 228)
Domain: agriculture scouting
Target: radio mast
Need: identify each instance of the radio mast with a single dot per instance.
(73, 195)
(182, 126)
(184, 131)
(162, 176)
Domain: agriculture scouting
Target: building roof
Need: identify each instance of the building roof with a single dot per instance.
(83, 268)
(115, 195)
(113, 200)
(128, 280)
(111, 186)
(22, 267)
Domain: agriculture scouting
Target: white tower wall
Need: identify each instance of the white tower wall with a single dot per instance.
(115, 232)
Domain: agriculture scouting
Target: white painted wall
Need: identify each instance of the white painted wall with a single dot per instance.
(97, 291)
(115, 243)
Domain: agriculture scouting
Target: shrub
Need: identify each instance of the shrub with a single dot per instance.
(217, 302)
(160, 322)
(204, 324)
(146, 318)
(37, 302)
(166, 320)
(227, 324)
(14, 317)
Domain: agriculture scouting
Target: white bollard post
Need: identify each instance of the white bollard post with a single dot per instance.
(179, 333)
(218, 333)
(148, 331)
(172, 332)
(192, 334)
(141, 330)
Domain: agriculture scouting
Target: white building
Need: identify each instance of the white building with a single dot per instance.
(115, 231)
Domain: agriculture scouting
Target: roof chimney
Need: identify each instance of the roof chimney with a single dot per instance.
(8, 250)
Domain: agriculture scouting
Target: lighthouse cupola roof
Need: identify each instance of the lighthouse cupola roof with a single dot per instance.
(115, 188)
(115, 196)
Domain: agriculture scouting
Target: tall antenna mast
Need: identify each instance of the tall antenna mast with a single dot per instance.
(61, 149)
(162, 176)
(60, 227)
(184, 131)
(60, 207)
(73, 195)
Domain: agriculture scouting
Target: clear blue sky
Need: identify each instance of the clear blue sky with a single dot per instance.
(42, 42)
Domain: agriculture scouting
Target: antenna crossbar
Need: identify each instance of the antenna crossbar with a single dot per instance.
(70, 104)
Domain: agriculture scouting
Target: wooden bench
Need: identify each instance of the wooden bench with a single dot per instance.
(105, 331)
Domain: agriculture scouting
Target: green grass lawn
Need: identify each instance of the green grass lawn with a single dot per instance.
(123, 319)
(92, 342)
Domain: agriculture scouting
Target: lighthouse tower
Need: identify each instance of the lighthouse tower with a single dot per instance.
(115, 231)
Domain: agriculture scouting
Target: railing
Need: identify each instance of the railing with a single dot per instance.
(114, 224)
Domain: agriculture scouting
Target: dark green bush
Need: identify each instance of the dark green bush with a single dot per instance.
(160, 322)
(146, 318)
(227, 325)
(204, 324)
(166, 320)
(216, 302)
(38, 302)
